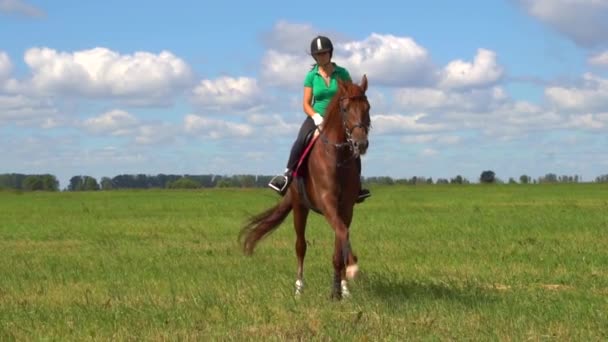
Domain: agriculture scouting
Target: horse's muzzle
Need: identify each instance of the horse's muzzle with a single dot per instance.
(360, 146)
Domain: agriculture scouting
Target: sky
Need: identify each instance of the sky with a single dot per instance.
(103, 88)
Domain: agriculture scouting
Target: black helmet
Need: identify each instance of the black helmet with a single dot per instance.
(321, 44)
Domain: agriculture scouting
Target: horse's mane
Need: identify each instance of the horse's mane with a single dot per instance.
(333, 117)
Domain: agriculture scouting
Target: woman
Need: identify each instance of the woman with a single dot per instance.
(320, 86)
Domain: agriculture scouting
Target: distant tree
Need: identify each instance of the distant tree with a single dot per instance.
(50, 182)
(548, 178)
(184, 183)
(90, 184)
(262, 181)
(225, 182)
(458, 180)
(33, 183)
(442, 181)
(83, 183)
(487, 177)
(524, 179)
(380, 180)
(602, 179)
(244, 181)
(76, 183)
(205, 181)
(402, 181)
(141, 181)
(417, 180)
(12, 180)
(512, 180)
(106, 183)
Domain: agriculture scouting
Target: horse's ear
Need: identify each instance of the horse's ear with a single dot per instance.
(364, 83)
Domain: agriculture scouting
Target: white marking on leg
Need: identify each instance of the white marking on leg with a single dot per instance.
(345, 291)
(299, 287)
(351, 271)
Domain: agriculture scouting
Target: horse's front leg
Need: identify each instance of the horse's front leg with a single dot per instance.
(342, 255)
(350, 258)
(344, 261)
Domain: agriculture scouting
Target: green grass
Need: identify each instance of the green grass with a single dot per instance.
(438, 263)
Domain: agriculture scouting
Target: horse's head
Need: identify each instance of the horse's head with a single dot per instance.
(354, 110)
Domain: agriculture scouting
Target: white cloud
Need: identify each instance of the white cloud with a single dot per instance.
(515, 119)
(227, 94)
(20, 7)
(399, 124)
(387, 59)
(274, 125)
(116, 122)
(591, 96)
(588, 121)
(429, 152)
(431, 99)
(583, 21)
(431, 139)
(289, 37)
(6, 67)
(23, 110)
(156, 133)
(483, 72)
(600, 59)
(142, 77)
(284, 70)
(392, 60)
(215, 128)
(120, 123)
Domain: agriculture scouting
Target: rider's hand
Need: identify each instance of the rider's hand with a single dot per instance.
(318, 119)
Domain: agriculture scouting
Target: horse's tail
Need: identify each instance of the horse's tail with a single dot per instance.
(261, 225)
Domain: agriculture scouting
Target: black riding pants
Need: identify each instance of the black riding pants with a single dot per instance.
(298, 146)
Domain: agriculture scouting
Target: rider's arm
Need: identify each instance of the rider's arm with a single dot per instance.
(307, 101)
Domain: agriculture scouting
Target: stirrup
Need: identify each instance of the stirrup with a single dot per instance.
(363, 194)
(279, 184)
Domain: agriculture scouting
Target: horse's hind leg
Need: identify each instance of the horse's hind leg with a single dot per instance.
(300, 215)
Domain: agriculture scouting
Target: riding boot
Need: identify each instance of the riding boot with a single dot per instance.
(281, 183)
(363, 193)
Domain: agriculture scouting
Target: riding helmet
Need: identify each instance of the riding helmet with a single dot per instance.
(321, 44)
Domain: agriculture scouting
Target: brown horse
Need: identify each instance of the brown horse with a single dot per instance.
(332, 184)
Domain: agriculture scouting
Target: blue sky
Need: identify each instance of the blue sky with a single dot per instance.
(183, 87)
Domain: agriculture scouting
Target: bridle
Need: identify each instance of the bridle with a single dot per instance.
(349, 143)
(343, 110)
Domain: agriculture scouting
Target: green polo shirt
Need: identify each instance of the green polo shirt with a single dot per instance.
(321, 92)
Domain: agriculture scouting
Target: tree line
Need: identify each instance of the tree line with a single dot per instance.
(48, 182)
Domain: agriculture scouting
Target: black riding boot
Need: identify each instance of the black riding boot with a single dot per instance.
(363, 193)
(281, 183)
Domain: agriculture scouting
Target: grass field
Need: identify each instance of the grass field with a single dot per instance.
(508, 262)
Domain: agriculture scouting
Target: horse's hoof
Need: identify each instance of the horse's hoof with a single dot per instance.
(345, 291)
(351, 271)
(299, 287)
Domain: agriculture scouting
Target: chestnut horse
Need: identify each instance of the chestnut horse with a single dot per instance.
(332, 184)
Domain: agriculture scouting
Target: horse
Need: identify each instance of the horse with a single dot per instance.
(331, 186)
